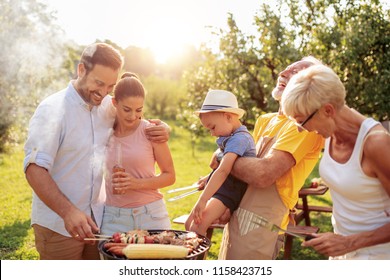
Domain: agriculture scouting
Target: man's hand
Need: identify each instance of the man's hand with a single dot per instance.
(202, 182)
(79, 225)
(158, 132)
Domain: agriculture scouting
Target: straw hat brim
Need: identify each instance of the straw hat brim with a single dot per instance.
(238, 111)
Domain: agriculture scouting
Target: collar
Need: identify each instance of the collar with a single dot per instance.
(76, 98)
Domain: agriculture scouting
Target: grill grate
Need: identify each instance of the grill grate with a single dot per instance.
(195, 254)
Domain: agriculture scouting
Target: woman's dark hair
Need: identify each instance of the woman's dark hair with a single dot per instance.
(102, 54)
(129, 86)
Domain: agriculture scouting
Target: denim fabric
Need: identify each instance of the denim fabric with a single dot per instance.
(150, 216)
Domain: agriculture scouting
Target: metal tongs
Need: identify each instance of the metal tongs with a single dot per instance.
(195, 186)
(263, 222)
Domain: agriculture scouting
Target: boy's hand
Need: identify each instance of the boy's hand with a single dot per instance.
(198, 211)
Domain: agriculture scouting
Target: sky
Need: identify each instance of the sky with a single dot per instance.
(164, 26)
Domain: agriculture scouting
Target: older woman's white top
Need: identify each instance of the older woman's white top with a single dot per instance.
(360, 203)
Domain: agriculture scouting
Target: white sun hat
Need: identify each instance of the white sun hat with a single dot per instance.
(220, 101)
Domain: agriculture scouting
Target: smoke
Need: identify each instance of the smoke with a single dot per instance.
(32, 53)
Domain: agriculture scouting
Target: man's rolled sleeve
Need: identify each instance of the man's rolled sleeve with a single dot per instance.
(39, 158)
(43, 138)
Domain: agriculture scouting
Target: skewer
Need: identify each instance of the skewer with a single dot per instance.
(99, 237)
(96, 239)
(102, 236)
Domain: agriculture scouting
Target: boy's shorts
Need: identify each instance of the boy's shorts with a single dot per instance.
(231, 192)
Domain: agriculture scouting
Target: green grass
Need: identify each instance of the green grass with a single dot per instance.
(16, 235)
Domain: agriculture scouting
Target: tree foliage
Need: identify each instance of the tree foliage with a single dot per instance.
(245, 65)
(352, 37)
(162, 81)
(355, 42)
(364, 59)
(162, 97)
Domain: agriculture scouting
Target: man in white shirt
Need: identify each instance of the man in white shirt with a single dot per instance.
(64, 154)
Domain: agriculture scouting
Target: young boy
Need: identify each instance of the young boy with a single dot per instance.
(220, 114)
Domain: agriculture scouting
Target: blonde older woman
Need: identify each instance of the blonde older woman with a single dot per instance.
(355, 165)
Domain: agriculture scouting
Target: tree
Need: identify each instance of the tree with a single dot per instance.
(363, 57)
(163, 96)
(244, 65)
(31, 52)
(352, 37)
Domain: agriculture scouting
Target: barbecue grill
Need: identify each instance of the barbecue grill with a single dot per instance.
(197, 253)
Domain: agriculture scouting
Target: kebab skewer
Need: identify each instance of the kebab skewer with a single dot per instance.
(140, 244)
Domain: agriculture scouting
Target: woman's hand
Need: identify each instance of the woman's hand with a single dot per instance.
(330, 244)
(123, 181)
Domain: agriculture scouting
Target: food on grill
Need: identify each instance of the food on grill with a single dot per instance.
(140, 244)
(154, 251)
(134, 236)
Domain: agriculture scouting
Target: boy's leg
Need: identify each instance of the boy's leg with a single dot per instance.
(214, 209)
(189, 222)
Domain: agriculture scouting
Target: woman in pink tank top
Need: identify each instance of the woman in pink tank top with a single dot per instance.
(132, 185)
(355, 165)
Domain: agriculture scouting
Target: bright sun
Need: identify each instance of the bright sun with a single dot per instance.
(163, 50)
(165, 40)
(164, 27)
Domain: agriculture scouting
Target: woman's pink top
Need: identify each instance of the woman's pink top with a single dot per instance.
(137, 157)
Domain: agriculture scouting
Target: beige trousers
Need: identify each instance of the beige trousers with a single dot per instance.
(54, 246)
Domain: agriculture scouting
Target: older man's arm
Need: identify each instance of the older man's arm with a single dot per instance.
(263, 172)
